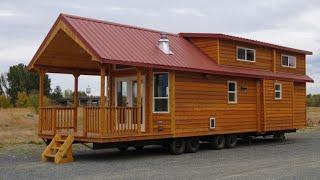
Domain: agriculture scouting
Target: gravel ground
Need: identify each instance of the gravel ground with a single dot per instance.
(296, 158)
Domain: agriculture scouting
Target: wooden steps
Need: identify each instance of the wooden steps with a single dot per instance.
(59, 150)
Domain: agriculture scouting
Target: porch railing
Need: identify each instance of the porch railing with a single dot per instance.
(117, 121)
(57, 118)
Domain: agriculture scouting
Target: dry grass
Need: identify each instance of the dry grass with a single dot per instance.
(313, 116)
(18, 125)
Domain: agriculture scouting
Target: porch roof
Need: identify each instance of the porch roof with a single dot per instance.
(123, 44)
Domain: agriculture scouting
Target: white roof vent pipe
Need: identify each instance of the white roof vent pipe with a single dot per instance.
(164, 44)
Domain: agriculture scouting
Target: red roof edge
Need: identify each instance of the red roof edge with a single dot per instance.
(63, 17)
(245, 40)
(43, 43)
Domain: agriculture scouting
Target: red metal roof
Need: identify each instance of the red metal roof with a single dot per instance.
(245, 40)
(123, 44)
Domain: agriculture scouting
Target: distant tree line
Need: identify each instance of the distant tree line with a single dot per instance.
(313, 100)
(19, 88)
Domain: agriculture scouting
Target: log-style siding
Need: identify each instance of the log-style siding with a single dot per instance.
(278, 113)
(208, 46)
(200, 97)
(299, 105)
(300, 63)
(226, 54)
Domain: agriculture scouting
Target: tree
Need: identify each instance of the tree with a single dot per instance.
(56, 93)
(21, 80)
(3, 84)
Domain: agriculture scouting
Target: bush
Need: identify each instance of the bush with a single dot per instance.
(4, 102)
(22, 99)
(33, 101)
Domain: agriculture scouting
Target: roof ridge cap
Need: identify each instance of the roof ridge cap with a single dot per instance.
(116, 24)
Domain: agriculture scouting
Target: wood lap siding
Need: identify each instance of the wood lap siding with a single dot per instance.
(208, 46)
(264, 55)
(299, 105)
(228, 55)
(279, 113)
(300, 63)
(199, 98)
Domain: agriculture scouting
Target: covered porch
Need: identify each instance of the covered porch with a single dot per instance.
(125, 92)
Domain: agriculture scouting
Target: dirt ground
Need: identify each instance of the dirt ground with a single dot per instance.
(296, 158)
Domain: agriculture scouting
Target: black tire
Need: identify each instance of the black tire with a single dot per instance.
(139, 148)
(48, 141)
(231, 141)
(217, 142)
(123, 148)
(280, 136)
(192, 145)
(177, 146)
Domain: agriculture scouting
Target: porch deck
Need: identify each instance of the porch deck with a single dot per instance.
(86, 124)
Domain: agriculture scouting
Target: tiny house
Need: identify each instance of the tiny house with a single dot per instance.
(174, 89)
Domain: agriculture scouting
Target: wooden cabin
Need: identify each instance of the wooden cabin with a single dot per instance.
(175, 89)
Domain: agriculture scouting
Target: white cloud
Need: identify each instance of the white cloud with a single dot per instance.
(188, 12)
(17, 54)
(6, 13)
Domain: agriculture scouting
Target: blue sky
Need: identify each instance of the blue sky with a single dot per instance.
(293, 23)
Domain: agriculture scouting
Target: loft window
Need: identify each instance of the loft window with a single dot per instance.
(232, 92)
(277, 91)
(246, 54)
(288, 61)
(161, 92)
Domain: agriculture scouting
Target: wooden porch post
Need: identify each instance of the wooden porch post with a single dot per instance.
(109, 91)
(75, 102)
(102, 99)
(139, 96)
(41, 73)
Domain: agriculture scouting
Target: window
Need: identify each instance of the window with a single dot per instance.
(232, 92)
(161, 92)
(246, 54)
(212, 122)
(277, 91)
(288, 61)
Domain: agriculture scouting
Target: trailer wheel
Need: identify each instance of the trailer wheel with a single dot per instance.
(192, 145)
(231, 141)
(123, 148)
(177, 146)
(138, 148)
(217, 142)
(281, 136)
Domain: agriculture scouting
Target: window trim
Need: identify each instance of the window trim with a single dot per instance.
(288, 66)
(210, 124)
(153, 98)
(275, 91)
(245, 60)
(235, 92)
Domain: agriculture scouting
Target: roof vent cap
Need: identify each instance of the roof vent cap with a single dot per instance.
(164, 44)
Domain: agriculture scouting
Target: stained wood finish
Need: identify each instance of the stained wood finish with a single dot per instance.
(299, 105)
(278, 113)
(224, 52)
(76, 100)
(200, 97)
(300, 66)
(208, 46)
